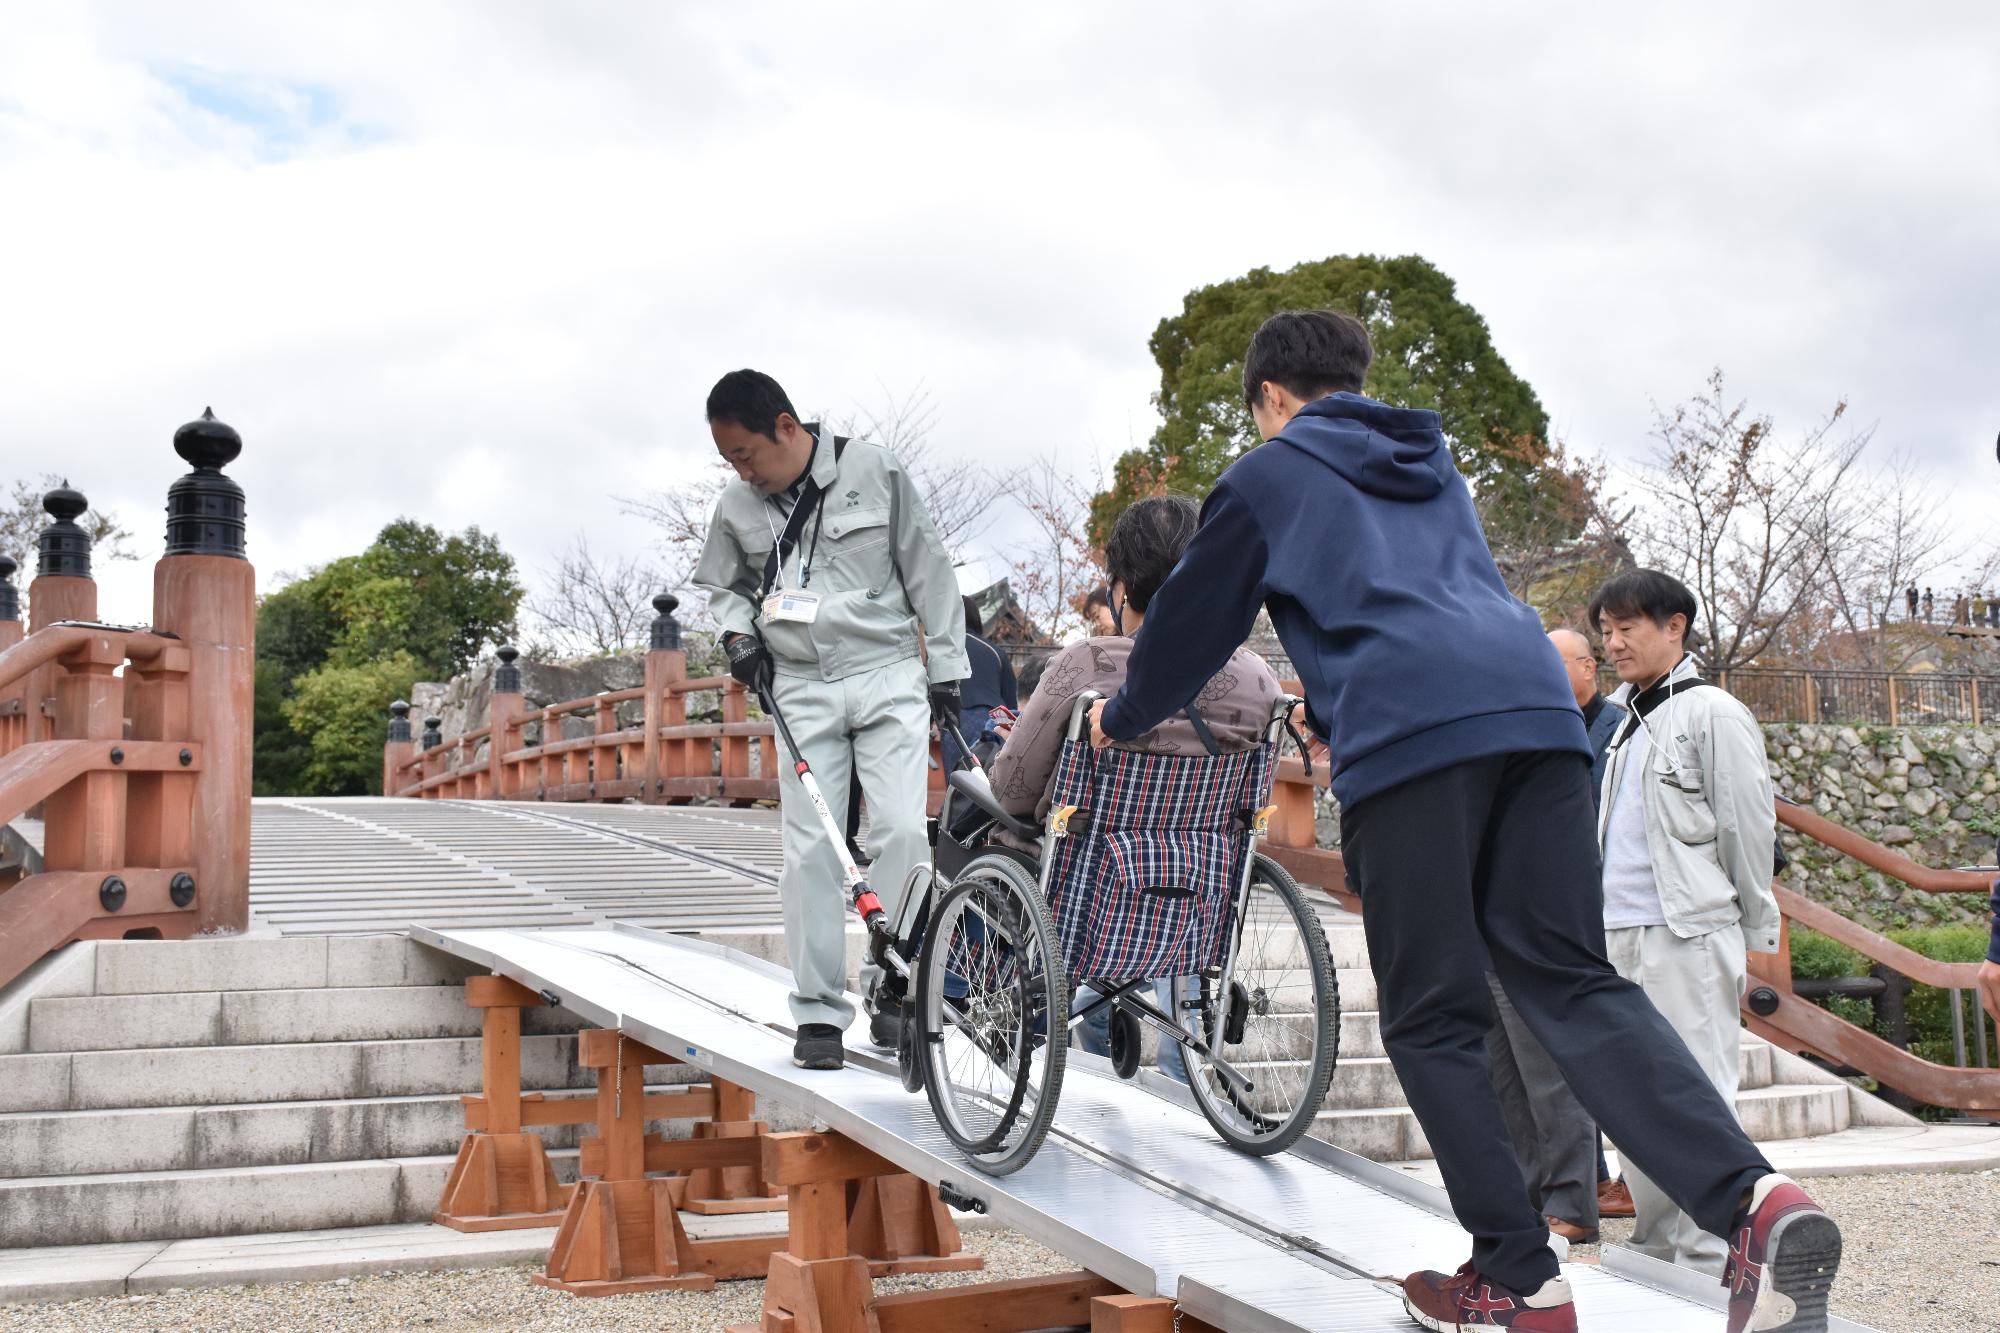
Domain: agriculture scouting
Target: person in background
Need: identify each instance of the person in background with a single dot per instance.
(1979, 608)
(1929, 604)
(1097, 621)
(1910, 599)
(1463, 774)
(990, 686)
(1687, 830)
(1992, 610)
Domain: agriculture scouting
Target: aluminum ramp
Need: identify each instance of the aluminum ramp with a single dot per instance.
(1131, 1184)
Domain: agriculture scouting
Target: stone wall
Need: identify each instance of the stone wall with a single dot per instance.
(1931, 792)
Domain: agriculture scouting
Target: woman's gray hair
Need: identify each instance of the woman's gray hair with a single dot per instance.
(1146, 543)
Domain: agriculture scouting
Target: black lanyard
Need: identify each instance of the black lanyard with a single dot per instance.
(808, 507)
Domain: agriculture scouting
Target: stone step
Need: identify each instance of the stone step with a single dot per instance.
(264, 1018)
(1780, 1111)
(232, 1075)
(154, 967)
(175, 1205)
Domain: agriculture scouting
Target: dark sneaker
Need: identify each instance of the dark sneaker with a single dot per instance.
(1783, 1253)
(1468, 1300)
(818, 1047)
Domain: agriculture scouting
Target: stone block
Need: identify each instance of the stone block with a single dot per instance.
(1367, 1082)
(57, 1143)
(139, 967)
(69, 971)
(70, 1272)
(124, 1022)
(169, 1205)
(290, 1133)
(34, 1082)
(366, 1013)
(318, 1256)
(211, 1075)
(391, 960)
(1379, 1134)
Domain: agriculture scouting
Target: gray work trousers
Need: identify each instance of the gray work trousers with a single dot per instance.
(1553, 1135)
(1696, 984)
(874, 726)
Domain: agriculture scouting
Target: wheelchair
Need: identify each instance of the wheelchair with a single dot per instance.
(1146, 868)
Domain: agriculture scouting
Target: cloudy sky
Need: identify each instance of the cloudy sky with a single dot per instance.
(478, 263)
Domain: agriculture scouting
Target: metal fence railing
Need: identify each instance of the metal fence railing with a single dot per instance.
(1907, 699)
(1773, 694)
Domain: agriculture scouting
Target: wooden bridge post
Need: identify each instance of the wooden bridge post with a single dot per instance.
(13, 711)
(205, 591)
(504, 710)
(396, 749)
(666, 663)
(62, 590)
(502, 1179)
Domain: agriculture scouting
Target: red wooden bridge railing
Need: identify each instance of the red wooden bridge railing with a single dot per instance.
(133, 745)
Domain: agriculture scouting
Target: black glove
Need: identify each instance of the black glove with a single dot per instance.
(946, 702)
(749, 660)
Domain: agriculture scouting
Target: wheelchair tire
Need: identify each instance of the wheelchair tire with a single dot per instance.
(1286, 1039)
(990, 991)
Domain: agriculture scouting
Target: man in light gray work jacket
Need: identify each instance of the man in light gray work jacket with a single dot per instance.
(1687, 827)
(829, 582)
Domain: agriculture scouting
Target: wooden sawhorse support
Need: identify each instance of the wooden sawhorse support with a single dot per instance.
(502, 1178)
(622, 1232)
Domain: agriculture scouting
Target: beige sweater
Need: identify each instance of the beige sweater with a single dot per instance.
(1236, 704)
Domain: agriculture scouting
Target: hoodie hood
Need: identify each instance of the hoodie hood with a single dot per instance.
(1397, 453)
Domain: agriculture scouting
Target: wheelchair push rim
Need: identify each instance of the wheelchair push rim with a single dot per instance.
(1280, 984)
(990, 990)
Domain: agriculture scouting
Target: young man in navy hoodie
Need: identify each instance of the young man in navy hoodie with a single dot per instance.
(1466, 825)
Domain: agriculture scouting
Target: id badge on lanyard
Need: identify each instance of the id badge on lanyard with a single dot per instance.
(792, 604)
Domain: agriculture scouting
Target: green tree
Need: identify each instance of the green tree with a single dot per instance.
(356, 633)
(339, 711)
(1431, 350)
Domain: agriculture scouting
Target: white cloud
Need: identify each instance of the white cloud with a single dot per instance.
(478, 263)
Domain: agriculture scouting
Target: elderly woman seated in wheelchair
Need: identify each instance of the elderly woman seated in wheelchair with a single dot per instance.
(1105, 870)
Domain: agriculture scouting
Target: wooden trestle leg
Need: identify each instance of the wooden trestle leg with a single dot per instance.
(502, 1178)
(731, 1189)
(623, 1232)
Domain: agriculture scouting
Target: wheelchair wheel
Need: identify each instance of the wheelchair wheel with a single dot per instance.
(990, 991)
(1276, 1021)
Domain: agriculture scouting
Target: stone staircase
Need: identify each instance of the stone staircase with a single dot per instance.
(1780, 1096)
(159, 1091)
(221, 1087)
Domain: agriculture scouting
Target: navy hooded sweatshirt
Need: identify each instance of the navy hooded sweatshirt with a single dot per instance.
(1354, 528)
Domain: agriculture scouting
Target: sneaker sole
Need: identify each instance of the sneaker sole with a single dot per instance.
(1802, 1258)
(818, 1062)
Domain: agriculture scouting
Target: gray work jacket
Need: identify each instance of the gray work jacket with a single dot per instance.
(1710, 818)
(881, 573)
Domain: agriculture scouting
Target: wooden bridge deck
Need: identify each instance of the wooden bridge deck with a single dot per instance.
(366, 865)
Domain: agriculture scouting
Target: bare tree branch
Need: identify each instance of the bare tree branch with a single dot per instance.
(591, 604)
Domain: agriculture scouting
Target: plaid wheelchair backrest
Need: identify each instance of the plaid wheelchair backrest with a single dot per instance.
(1144, 885)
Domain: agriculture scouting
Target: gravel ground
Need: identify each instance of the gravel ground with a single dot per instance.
(1922, 1255)
(487, 1300)
(1919, 1253)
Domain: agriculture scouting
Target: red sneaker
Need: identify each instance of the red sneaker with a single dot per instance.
(1469, 1300)
(1783, 1253)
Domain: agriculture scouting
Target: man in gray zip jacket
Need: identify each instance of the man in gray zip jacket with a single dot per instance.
(828, 580)
(1687, 825)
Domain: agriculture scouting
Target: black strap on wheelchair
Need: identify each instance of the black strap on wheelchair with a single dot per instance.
(1201, 731)
(1305, 751)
